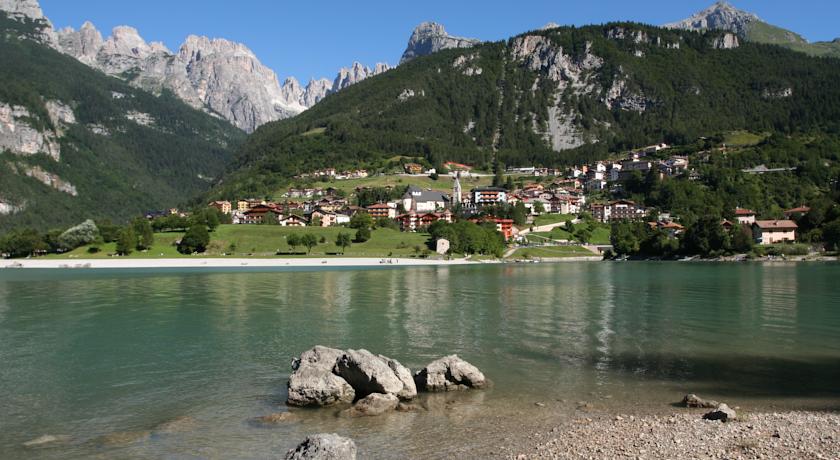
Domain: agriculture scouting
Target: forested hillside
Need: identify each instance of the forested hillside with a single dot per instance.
(549, 98)
(76, 144)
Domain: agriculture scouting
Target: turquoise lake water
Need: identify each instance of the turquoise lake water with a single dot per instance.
(87, 354)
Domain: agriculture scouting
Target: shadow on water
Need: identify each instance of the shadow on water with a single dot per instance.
(737, 375)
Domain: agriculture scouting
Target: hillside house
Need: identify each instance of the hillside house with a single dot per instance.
(482, 196)
(795, 212)
(617, 210)
(383, 211)
(503, 226)
(413, 168)
(261, 214)
(774, 231)
(745, 216)
(223, 206)
(294, 221)
(413, 221)
(419, 200)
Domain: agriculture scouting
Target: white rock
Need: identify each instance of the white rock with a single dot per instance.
(431, 37)
(20, 138)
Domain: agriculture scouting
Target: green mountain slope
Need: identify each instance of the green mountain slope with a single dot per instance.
(122, 151)
(548, 98)
(761, 32)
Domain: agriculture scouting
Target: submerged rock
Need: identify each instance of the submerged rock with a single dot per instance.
(368, 373)
(722, 413)
(177, 425)
(47, 440)
(274, 419)
(324, 447)
(374, 404)
(123, 438)
(449, 374)
(313, 383)
(692, 400)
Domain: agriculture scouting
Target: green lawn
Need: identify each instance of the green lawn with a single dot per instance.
(600, 235)
(548, 219)
(164, 247)
(554, 234)
(267, 240)
(743, 138)
(551, 252)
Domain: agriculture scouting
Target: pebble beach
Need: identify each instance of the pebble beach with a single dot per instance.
(685, 435)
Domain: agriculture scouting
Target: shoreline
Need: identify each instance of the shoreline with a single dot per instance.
(131, 263)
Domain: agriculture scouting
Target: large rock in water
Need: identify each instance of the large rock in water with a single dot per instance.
(368, 373)
(374, 404)
(409, 390)
(448, 374)
(313, 383)
(324, 447)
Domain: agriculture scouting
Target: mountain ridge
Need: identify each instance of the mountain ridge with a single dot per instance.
(723, 16)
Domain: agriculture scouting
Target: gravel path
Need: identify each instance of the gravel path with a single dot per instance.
(788, 435)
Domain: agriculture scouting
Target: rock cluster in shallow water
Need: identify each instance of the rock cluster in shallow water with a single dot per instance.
(325, 376)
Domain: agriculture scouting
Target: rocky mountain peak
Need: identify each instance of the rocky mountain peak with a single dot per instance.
(431, 37)
(84, 44)
(19, 9)
(126, 41)
(720, 16)
(356, 73)
(196, 45)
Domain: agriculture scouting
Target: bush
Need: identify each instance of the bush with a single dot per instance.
(195, 240)
(80, 235)
(788, 250)
(126, 241)
(362, 235)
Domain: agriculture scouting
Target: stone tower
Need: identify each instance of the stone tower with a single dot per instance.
(456, 190)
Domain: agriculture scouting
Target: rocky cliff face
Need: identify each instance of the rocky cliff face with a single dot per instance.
(720, 16)
(30, 10)
(20, 137)
(20, 9)
(431, 37)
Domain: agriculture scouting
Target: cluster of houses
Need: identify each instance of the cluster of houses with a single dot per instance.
(332, 174)
(566, 194)
(604, 174)
(767, 232)
(415, 210)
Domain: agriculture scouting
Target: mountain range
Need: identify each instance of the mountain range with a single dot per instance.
(222, 77)
(550, 97)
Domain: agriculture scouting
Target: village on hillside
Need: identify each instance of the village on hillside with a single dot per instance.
(525, 214)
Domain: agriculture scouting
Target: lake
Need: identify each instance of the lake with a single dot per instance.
(87, 354)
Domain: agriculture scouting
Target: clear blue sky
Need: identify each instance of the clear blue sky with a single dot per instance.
(314, 38)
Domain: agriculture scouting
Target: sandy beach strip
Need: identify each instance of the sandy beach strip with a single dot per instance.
(137, 263)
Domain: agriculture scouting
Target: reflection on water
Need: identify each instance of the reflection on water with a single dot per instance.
(90, 353)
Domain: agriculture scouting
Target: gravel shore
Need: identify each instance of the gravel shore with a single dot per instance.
(788, 435)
